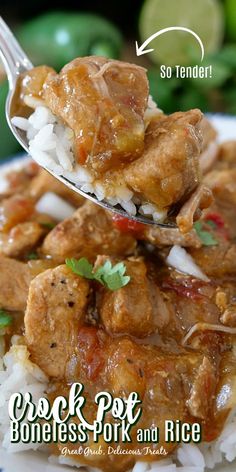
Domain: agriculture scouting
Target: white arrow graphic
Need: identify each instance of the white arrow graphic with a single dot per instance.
(141, 50)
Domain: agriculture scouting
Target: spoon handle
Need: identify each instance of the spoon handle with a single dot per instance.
(14, 58)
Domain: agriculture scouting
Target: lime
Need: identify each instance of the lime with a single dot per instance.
(56, 38)
(204, 17)
(230, 15)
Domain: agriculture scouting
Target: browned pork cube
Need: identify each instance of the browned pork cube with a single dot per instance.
(218, 260)
(210, 146)
(87, 233)
(168, 170)
(30, 86)
(14, 284)
(159, 377)
(138, 308)
(55, 309)
(21, 239)
(103, 102)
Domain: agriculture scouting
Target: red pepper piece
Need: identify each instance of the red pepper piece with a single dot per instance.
(125, 225)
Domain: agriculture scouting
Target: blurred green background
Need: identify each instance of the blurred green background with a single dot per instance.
(55, 36)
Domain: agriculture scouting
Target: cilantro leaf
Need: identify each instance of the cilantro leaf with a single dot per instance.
(48, 225)
(211, 223)
(105, 269)
(32, 256)
(206, 237)
(5, 319)
(120, 267)
(81, 267)
(115, 281)
(111, 277)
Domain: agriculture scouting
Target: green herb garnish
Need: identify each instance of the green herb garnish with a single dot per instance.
(48, 225)
(111, 277)
(5, 319)
(206, 237)
(32, 256)
(211, 223)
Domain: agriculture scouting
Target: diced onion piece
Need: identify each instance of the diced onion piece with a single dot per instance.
(183, 262)
(54, 206)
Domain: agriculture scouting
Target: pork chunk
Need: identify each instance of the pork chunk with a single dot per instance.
(223, 184)
(14, 210)
(228, 318)
(139, 308)
(55, 310)
(21, 239)
(227, 154)
(168, 170)
(32, 81)
(14, 284)
(103, 101)
(158, 378)
(202, 390)
(160, 236)
(125, 369)
(88, 232)
(216, 261)
(210, 147)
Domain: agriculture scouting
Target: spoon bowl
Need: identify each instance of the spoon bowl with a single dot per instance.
(16, 62)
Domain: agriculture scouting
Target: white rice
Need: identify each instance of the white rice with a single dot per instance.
(19, 374)
(51, 144)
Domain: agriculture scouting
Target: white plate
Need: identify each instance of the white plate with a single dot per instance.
(37, 462)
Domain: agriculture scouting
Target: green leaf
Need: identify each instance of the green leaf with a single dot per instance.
(227, 55)
(32, 256)
(99, 273)
(206, 237)
(111, 277)
(5, 319)
(120, 268)
(211, 223)
(81, 267)
(113, 281)
(48, 225)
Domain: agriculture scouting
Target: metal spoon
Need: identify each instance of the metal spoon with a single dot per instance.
(16, 62)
